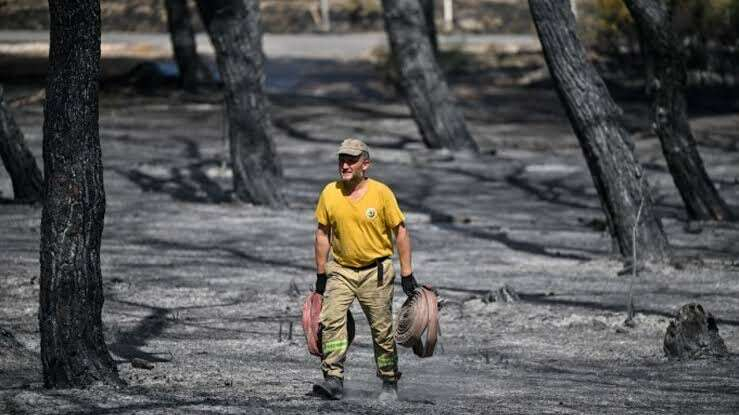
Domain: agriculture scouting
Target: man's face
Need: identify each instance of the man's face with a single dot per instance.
(352, 167)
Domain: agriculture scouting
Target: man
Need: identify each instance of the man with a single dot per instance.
(357, 219)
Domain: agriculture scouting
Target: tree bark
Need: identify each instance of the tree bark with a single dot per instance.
(693, 334)
(595, 118)
(184, 47)
(439, 121)
(234, 29)
(18, 159)
(73, 350)
(428, 7)
(669, 111)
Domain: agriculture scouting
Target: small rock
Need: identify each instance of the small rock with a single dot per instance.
(629, 322)
(599, 325)
(142, 364)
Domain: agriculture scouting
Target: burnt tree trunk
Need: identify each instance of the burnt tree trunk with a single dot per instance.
(434, 109)
(693, 334)
(595, 118)
(234, 29)
(184, 47)
(429, 7)
(73, 350)
(669, 111)
(17, 158)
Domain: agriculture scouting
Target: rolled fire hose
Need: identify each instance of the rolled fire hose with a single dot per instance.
(418, 315)
(312, 323)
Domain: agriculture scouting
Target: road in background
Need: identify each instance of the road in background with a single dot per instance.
(323, 46)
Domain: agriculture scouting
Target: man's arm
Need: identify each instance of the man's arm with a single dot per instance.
(403, 241)
(322, 246)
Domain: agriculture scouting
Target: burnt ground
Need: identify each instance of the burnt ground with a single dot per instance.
(207, 288)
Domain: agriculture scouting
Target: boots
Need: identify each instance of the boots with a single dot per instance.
(389, 391)
(329, 388)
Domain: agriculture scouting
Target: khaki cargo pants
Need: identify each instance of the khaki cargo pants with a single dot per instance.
(376, 298)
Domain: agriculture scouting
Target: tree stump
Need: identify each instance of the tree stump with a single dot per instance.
(504, 294)
(693, 334)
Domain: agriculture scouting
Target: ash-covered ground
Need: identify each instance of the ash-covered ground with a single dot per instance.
(208, 289)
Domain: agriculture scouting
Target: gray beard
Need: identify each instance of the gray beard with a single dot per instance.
(353, 182)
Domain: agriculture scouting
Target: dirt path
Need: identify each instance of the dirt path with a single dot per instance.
(201, 285)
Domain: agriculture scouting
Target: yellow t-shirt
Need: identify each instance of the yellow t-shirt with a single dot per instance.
(361, 231)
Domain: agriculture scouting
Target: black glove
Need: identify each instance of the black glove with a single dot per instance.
(409, 284)
(321, 283)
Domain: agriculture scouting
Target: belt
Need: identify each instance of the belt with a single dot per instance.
(375, 263)
(368, 266)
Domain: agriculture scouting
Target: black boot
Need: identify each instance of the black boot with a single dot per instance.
(389, 391)
(329, 388)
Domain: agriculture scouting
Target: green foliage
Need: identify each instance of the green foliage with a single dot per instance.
(713, 20)
(607, 24)
(708, 31)
(362, 7)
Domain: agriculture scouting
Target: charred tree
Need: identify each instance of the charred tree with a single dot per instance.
(234, 29)
(73, 349)
(595, 118)
(666, 85)
(17, 158)
(434, 109)
(429, 7)
(192, 69)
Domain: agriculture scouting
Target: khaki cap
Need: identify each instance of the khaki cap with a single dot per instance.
(352, 147)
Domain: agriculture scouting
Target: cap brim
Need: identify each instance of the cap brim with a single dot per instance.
(349, 151)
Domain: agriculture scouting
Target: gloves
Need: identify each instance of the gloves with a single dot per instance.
(409, 284)
(321, 283)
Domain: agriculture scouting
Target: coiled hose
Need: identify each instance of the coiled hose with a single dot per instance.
(312, 323)
(418, 315)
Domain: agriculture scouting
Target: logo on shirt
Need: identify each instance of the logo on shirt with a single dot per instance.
(370, 213)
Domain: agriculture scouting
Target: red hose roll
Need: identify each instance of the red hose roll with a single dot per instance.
(312, 323)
